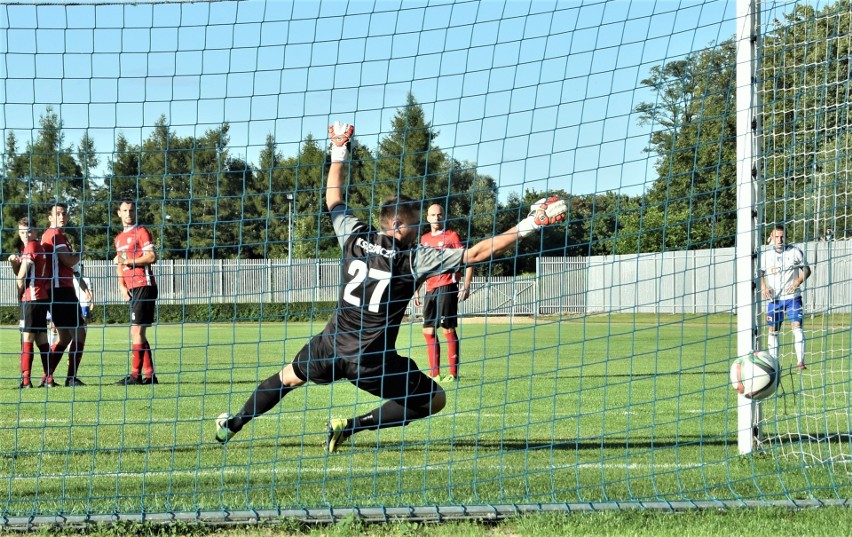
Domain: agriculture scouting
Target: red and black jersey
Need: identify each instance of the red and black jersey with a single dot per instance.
(54, 242)
(37, 279)
(131, 244)
(445, 238)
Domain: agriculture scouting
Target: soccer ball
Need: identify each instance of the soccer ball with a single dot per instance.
(756, 375)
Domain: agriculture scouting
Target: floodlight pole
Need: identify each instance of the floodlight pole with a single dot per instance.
(748, 213)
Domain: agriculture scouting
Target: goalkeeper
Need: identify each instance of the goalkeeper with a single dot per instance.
(381, 271)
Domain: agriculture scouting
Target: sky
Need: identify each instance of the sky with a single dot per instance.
(540, 94)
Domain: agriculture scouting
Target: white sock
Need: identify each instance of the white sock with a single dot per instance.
(772, 340)
(799, 344)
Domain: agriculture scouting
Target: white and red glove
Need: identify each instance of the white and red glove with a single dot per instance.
(340, 135)
(544, 212)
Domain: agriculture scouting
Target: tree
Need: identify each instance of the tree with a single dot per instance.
(805, 77)
(693, 202)
(44, 173)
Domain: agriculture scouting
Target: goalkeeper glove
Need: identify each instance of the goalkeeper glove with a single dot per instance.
(341, 140)
(544, 212)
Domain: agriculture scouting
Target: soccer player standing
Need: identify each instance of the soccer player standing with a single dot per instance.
(783, 270)
(64, 305)
(381, 271)
(32, 270)
(134, 260)
(442, 297)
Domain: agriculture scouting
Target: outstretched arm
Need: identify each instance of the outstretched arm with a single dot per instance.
(544, 212)
(341, 141)
(334, 193)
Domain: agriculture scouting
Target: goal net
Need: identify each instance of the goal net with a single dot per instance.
(805, 187)
(593, 356)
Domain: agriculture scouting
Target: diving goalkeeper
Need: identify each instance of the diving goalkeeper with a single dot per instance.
(382, 268)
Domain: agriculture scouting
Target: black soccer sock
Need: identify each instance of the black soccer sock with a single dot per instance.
(268, 394)
(390, 414)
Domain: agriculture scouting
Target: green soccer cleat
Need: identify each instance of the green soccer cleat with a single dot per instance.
(336, 428)
(450, 379)
(223, 433)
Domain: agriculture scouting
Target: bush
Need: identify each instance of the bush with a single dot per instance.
(204, 313)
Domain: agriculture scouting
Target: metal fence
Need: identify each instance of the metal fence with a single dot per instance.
(699, 281)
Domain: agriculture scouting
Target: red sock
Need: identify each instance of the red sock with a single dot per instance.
(75, 356)
(54, 358)
(26, 360)
(136, 365)
(44, 350)
(453, 352)
(147, 360)
(433, 351)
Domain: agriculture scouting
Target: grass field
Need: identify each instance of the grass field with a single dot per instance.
(609, 409)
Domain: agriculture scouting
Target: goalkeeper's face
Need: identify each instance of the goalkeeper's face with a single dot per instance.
(405, 231)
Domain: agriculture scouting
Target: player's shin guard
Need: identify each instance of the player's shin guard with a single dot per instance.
(147, 360)
(433, 351)
(453, 352)
(799, 344)
(137, 356)
(390, 414)
(75, 356)
(44, 351)
(268, 394)
(54, 358)
(772, 340)
(26, 360)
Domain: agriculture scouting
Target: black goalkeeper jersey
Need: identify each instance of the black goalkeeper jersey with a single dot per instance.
(378, 280)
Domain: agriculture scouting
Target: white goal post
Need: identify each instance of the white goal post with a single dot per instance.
(748, 170)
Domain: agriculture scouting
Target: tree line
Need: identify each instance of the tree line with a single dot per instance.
(202, 201)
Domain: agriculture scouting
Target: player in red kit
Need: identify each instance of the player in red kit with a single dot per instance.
(443, 294)
(32, 271)
(64, 305)
(136, 255)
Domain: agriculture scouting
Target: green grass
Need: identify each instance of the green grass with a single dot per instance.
(827, 521)
(598, 409)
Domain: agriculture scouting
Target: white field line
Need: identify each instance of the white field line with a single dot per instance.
(324, 470)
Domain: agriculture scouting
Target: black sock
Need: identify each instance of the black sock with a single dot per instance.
(390, 414)
(268, 394)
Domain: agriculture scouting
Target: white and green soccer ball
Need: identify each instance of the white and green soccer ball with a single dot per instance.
(755, 375)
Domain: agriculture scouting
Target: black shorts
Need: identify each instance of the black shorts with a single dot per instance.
(143, 305)
(34, 316)
(387, 375)
(441, 307)
(65, 309)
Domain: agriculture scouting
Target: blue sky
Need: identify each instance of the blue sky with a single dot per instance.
(540, 94)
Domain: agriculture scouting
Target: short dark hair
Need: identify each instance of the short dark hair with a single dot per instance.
(25, 221)
(400, 207)
(127, 201)
(58, 204)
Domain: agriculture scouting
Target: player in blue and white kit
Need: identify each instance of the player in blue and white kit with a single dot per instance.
(381, 271)
(783, 270)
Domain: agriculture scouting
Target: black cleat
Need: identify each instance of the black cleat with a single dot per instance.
(74, 381)
(150, 380)
(129, 380)
(26, 384)
(49, 384)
